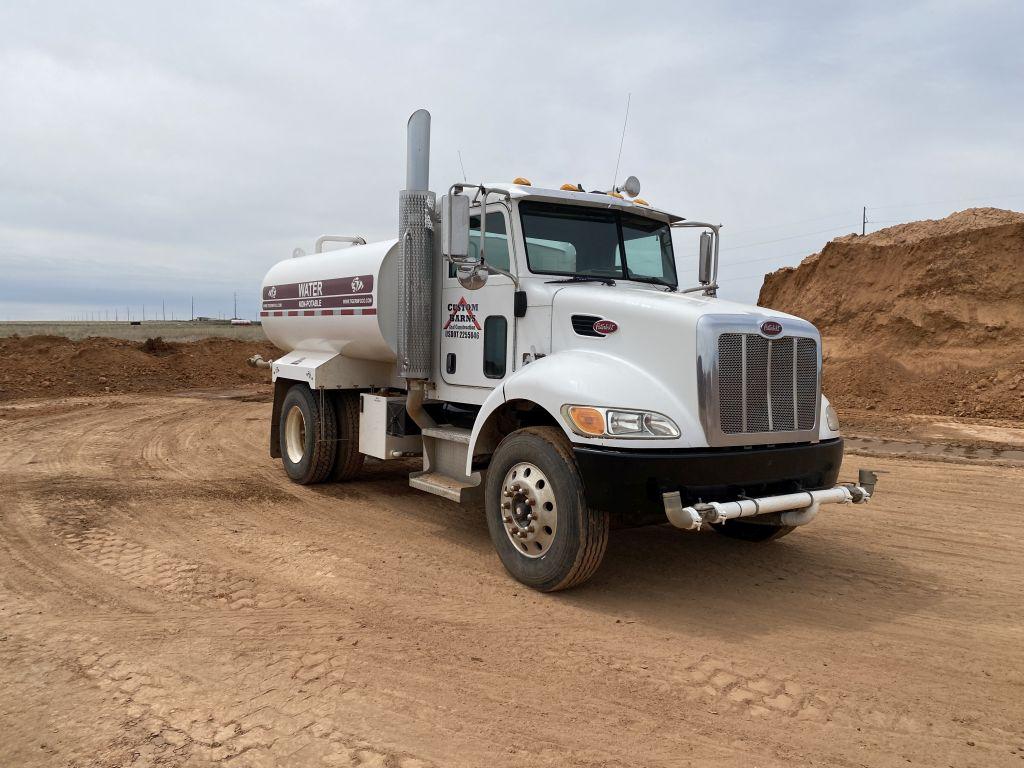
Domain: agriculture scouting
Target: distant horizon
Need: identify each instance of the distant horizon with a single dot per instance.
(100, 313)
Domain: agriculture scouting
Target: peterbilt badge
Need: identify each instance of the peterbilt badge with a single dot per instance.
(771, 327)
(604, 327)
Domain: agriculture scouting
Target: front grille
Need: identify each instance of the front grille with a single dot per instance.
(766, 385)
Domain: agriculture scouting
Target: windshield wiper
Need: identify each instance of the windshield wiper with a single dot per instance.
(585, 279)
(652, 280)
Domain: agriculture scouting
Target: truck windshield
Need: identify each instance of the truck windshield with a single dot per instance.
(574, 240)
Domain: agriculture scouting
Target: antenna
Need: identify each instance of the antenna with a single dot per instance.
(615, 181)
(462, 166)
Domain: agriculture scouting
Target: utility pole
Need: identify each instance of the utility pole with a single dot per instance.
(864, 221)
(193, 307)
(234, 315)
(163, 309)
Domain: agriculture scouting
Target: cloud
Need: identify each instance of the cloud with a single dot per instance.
(154, 151)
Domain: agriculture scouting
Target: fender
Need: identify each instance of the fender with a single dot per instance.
(494, 401)
(332, 370)
(825, 432)
(582, 377)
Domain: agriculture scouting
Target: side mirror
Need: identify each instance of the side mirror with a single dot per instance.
(472, 276)
(707, 255)
(455, 227)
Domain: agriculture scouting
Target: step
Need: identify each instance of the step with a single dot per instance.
(449, 433)
(441, 484)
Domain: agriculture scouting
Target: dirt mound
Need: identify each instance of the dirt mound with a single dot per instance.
(926, 317)
(157, 346)
(54, 366)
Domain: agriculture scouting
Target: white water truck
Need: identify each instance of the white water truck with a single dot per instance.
(534, 347)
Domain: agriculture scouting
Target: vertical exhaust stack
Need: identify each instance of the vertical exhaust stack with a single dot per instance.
(416, 268)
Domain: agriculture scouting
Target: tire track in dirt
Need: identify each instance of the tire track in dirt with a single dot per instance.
(234, 617)
(165, 717)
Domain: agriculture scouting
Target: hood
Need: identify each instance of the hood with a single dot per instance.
(654, 332)
(643, 314)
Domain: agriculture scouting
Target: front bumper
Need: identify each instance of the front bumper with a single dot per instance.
(633, 481)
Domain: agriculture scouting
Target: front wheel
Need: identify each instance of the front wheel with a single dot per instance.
(544, 532)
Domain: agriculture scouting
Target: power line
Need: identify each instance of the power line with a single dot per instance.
(977, 198)
(790, 223)
(782, 239)
(738, 262)
(943, 202)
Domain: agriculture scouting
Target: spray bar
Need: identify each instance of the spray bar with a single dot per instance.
(793, 508)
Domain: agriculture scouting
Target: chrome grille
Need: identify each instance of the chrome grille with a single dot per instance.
(766, 385)
(807, 383)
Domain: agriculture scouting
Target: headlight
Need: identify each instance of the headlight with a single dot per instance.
(831, 419)
(588, 421)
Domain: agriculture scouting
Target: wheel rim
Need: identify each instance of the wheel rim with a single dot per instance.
(295, 434)
(528, 510)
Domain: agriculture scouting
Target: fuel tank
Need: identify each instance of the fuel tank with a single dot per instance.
(342, 301)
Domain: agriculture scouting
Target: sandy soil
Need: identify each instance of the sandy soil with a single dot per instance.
(167, 597)
(53, 366)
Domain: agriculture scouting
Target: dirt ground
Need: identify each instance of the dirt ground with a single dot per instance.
(52, 366)
(167, 597)
(168, 330)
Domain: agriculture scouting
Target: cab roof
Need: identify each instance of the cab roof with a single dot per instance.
(597, 199)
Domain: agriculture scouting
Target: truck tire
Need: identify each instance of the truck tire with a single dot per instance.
(348, 461)
(757, 532)
(308, 431)
(547, 537)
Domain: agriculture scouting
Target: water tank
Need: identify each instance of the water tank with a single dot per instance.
(339, 301)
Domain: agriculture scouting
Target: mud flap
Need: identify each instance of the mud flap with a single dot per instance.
(280, 388)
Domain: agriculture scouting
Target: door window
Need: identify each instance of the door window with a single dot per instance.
(495, 346)
(496, 248)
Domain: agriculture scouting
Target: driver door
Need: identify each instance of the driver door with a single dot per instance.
(478, 327)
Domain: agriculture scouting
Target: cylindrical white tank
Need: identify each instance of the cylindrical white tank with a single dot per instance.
(340, 301)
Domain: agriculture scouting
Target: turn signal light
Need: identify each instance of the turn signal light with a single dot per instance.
(589, 421)
(570, 188)
(522, 181)
(616, 194)
(640, 201)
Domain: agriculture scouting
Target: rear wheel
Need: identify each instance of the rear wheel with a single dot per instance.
(757, 532)
(308, 430)
(544, 532)
(348, 461)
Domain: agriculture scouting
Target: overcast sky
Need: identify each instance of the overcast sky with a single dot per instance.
(154, 151)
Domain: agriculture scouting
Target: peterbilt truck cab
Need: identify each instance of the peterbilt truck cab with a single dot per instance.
(534, 353)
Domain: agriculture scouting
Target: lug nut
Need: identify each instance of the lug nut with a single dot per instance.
(507, 518)
(506, 504)
(531, 529)
(532, 502)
